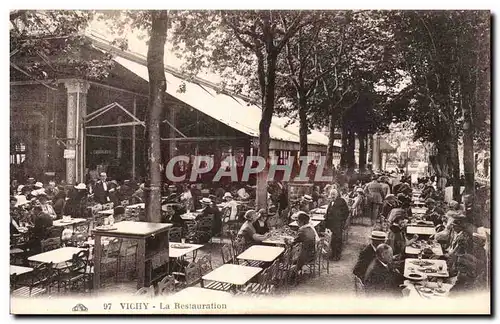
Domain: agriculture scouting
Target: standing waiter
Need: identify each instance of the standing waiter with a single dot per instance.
(101, 189)
(336, 215)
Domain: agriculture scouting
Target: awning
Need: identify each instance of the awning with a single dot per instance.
(232, 111)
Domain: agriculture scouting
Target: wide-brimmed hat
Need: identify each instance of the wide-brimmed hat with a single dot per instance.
(250, 215)
(455, 214)
(390, 197)
(360, 190)
(430, 201)
(41, 194)
(39, 185)
(378, 236)
(308, 198)
(206, 201)
(227, 195)
(262, 211)
(81, 186)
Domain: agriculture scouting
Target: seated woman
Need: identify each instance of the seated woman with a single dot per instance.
(247, 230)
(260, 224)
(176, 219)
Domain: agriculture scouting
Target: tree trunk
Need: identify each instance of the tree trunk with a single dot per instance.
(264, 125)
(343, 152)
(303, 126)
(157, 88)
(331, 141)
(469, 164)
(454, 164)
(351, 156)
(362, 152)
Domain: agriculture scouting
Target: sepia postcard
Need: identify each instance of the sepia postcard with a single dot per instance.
(250, 162)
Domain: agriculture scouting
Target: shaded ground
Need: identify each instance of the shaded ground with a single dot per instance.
(339, 280)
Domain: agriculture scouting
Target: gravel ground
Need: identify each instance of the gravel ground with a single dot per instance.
(339, 280)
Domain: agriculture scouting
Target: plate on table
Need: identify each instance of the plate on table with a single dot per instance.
(422, 263)
(416, 276)
(439, 291)
(425, 290)
(180, 246)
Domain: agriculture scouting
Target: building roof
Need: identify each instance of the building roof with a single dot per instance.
(234, 111)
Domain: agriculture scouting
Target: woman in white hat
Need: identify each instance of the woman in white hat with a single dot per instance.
(247, 230)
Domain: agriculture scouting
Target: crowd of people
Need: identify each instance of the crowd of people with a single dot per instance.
(385, 199)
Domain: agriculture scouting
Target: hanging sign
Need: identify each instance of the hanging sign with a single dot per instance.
(69, 154)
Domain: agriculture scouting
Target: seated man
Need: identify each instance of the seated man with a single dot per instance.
(381, 278)
(367, 255)
(306, 235)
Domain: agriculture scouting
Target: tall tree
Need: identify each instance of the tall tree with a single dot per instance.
(156, 104)
(244, 48)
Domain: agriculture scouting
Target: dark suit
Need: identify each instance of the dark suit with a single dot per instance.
(365, 257)
(307, 237)
(336, 215)
(101, 195)
(381, 280)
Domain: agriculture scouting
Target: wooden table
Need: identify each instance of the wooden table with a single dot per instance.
(435, 264)
(437, 249)
(278, 240)
(56, 256)
(318, 217)
(234, 274)
(421, 230)
(69, 222)
(261, 253)
(18, 270)
(313, 222)
(417, 210)
(201, 293)
(139, 231)
(174, 252)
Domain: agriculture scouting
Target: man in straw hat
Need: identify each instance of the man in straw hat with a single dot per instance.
(381, 278)
(210, 210)
(367, 255)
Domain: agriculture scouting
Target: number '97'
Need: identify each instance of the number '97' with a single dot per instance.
(107, 306)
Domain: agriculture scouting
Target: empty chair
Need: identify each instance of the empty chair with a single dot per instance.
(205, 264)
(166, 286)
(227, 255)
(38, 282)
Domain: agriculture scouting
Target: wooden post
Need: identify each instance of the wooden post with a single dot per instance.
(133, 139)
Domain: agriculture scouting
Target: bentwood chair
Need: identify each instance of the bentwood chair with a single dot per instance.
(76, 273)
(50, 244)
(227, 254)
(166, 286)
(38, 282)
